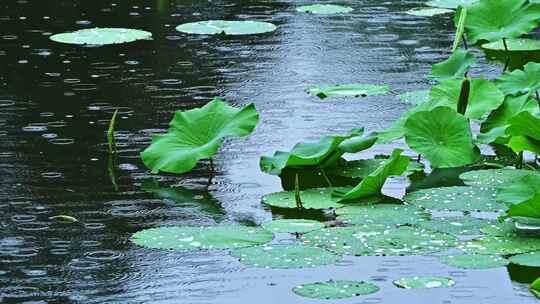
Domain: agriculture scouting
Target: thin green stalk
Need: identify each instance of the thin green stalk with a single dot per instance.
(297, 197)
(326, 177)
(111, 169)
(519, 160)
(110, 134)
(507, 53)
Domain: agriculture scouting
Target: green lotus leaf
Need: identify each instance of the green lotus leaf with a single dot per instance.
(370, 187)
(494, 127)
(484, 96)
(428, 12)
(520, 190)
(200, 238)
(525, 124)
(424, 282)
(456, 66)
(492, 178)
(524, 143)
(531, 259)
(364, 167)
(197, 134)
(527, 209)
(321, 198)
(414, 97)
(285, 256)
(493, 20)
(386, 214)
(324, 153)
(443, 136)
(474, 261)
(324, 9)
(467, 199)
(223, 27)
(357, 143)
(344, 90)
(521, 82)
(397, 129)
(292, 226)
(514, 45)
(333, 290)
(453, 4)
(504, 229)
(535, 288)
(102, 36)
(498, 245)
(456, 225)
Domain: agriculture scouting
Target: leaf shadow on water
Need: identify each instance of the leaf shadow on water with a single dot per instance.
(523, 274)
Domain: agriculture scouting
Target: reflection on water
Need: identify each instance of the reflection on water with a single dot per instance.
(56, 100)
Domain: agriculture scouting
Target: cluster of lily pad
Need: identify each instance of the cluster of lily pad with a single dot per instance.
(318, 176)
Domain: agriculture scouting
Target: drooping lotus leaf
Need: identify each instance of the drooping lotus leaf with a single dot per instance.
(535, 288)
(424, 282)
(199, 238)
(469, 199)
(197, 134)
(333, 290)
(456, 225)
(531, 259)
(443, 136)
(345, 240)
(454, 67)
(344, 90)
(101, 36)
(514, 45)
(493, 20)
(386, 214)
(285, 256)
(494, 127)
(474, 261)
(520, 190)
(224, 27)
(524, 124)
(370, 187)
(311, 199)
(292, 226)
(324, 9)
(322, 154)
(484, 96)
(453, 4)
(526, 81)
(428, 12)
(527, 209)
(524, 143)
(497, 245)
(364, 167)
(492, 178)
(414, 97)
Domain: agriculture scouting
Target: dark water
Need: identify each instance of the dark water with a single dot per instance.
(56, 100)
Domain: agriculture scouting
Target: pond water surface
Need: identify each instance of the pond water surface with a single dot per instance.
(56, 100)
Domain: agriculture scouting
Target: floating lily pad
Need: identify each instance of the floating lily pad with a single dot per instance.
(198, 238)
(410, 241)
(428, 12)
(453, 4)
(223, 27)
(459, 198)
(501, 245)
(514, 45)
(424, 282)
(293, 226)
(344, 90)
(456, 225)
(414, 97)
(101, 36)
(386, 214)
(531, 259)
(311, 199)
(324, 9)
(364, 167)
(520, 190)
(507, 229)
(492, 178)
(474, 261)
(333, 290)
(285, 256)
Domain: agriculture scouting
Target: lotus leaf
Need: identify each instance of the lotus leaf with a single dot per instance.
(456, 66)
(424, 282)
(428, 12)
(493, 20)
(498, 245)
(364, 167)
(492, 178)
(474, 261)
(531, 259)
(387, 214)
(442, 136)
(333, 290)
(456, 225)
(343, 90)
(453, 4)
(467, 199)
(101, 36)
(285, 256)
(521, 190)
(197, 134)
(199, 238)
(324, 9)
(292, 226)
(514, 45)
(535, 288)
(223, 27)
(311, 199)
(526, 81)
(527, 209)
